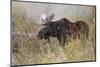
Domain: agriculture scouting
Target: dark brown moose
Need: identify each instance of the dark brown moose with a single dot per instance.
(63, 30)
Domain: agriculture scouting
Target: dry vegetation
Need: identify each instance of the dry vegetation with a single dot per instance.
(27, 49)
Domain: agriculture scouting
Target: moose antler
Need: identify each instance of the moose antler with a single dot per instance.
(43, 18)
(47, 18)
(50, 17)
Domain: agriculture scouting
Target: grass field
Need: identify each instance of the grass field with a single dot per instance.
(28, 49)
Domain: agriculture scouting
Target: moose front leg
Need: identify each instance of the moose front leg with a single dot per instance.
(61, 40)
(61, 36)
(47, 38)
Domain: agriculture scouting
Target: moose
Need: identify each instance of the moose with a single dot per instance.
(62, 29)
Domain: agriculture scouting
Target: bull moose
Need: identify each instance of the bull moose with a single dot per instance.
(62, 29)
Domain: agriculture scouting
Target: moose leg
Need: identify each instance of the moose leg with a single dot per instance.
(47, 39)
(61, 36)
(61, 40)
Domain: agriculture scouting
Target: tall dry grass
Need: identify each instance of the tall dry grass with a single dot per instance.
(27, 49)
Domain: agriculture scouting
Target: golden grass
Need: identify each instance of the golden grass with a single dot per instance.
(29, 50)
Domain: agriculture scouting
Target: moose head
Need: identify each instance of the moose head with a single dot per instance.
(51, 29)
(46, 22)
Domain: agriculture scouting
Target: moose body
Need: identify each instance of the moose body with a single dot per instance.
(63, 30)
